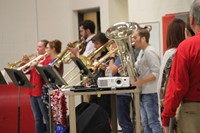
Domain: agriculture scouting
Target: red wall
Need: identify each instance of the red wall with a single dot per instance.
(165, 22)
(9, 110)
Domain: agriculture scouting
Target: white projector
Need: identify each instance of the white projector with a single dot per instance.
(113, 82)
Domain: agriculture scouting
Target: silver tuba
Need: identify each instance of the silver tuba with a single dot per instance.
(121, 32)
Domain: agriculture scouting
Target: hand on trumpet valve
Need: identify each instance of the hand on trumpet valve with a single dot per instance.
(34, 63)
(30, 67)
(25, 58)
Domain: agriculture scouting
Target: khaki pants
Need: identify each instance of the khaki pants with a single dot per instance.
(189, 118)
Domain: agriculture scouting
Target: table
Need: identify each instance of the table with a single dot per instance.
(72, 94)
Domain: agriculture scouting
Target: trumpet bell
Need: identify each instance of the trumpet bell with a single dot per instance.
(20, 62)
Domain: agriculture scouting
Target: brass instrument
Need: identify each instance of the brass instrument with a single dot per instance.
(96, 64)
(64, 57)
(104, 46)
(76, 44)
(121, 33)
(25, 68)
(17, 64)
(87, 60)
(60, 58)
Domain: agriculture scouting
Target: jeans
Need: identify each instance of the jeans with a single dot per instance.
(123, 113)
(149, 113)
(39, 111)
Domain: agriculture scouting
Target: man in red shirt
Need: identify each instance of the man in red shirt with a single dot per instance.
(184, 81)
(39, 109)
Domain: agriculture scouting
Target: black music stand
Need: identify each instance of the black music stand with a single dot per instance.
(83, 69)
(50, 75)
(19, 79)
(2, 79)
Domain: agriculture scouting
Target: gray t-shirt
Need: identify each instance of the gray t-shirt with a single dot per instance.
(148, 63)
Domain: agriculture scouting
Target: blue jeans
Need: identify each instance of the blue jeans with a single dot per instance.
(123, 113)
(39, 111)
(149, 113)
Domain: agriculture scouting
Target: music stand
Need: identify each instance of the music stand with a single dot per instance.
(2, 79)
(19, 79)
(50, 75)
(83, 69)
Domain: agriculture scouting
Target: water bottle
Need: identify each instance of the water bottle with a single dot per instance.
(108, 73)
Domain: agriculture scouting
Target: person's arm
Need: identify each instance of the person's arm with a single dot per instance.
(153, 63)
(114, 64)
(145, 80)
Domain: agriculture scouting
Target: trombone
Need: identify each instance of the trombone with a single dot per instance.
(87, 60)
(95, 66)
(65, 55)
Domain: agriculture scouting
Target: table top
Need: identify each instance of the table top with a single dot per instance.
(71, 91)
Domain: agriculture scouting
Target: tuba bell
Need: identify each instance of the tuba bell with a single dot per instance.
(121, 32)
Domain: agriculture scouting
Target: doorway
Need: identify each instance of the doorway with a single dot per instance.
(91, 14)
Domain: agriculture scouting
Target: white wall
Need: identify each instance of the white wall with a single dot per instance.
(24, 22)
(118, 11)
(151, 11)
(18, 29)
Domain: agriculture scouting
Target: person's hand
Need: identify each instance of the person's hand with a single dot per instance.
(165, 129)
(120, 69)
(33, 64)
(103, 66)
(137, 83)
(74, 51)
(25, 58)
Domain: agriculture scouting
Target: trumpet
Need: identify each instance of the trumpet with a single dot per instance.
(26, 68)
(18, 63)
